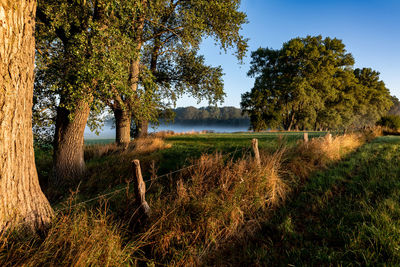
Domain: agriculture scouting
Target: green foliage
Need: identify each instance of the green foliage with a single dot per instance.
(309, 84)
(169, 42)
(82, 52)
(395, 109)
(390, 121)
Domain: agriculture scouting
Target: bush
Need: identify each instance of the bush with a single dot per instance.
(390, 121)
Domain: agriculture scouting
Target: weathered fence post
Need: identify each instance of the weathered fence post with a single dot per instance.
(305, 137)
(254, 143)
(140, 188)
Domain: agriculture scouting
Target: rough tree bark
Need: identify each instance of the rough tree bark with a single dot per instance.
(68, 158)
(122, 127)
(22, 202)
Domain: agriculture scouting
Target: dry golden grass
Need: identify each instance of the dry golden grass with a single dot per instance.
(216, 201)
(196, 216)
(166, 134)
(80, 238)
(142, 145)
(148, 144)
(319, 152)
(100, 150)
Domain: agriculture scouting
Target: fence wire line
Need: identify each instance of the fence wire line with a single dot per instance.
(126, 186)
(148, 180)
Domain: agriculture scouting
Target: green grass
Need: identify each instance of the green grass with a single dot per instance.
(187, 147)
(346, 215)
(109, 171)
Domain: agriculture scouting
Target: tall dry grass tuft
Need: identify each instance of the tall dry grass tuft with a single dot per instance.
(148, 144)
(142, 145)
(80, 238)
(319, 152)
(100, 150)
(216, 201)
(277, 187)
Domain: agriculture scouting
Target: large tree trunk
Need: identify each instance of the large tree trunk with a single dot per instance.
(22, 202)
(122, 127)
(68, 158)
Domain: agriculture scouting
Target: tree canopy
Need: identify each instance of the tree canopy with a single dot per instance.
(310, 83)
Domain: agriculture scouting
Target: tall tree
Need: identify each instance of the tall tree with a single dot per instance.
(303, 85)
(79, 49)
(167, 37)
(21, 199)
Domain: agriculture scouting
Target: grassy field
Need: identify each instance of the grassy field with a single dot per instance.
(326, 202)
(185, 148)
(346, 215)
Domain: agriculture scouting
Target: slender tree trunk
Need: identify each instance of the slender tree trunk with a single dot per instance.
(291, 122)
(142, 127)
(68, 158)
(22, 202)
(122, 126)
(123, 135)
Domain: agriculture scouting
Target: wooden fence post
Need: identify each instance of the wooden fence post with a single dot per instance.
(140, 188)
(254, 144)
(305, 137)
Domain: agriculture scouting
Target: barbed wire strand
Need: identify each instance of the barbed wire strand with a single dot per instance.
(148, 180)
(113, 193)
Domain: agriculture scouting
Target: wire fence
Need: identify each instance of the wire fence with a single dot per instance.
(115, 192)
(152, 179)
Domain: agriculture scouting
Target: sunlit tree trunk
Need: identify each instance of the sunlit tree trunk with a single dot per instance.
(22, 202)
(122, 127)
(68, 158)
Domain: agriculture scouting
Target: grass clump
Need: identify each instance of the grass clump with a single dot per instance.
(143, 145)
(213, 203)
(78, 238)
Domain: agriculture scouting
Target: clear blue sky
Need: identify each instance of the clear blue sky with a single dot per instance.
(370, 29)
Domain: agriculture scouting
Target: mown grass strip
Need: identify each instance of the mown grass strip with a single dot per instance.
(346, 215)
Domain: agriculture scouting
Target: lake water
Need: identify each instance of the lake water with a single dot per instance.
(108, 131)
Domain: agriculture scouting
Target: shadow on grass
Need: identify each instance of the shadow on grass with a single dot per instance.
(346, 215)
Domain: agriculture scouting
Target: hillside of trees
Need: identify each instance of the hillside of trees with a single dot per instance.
(210, 115)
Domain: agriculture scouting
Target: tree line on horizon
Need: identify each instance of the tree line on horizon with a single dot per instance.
(311, 84)
(208, 115)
